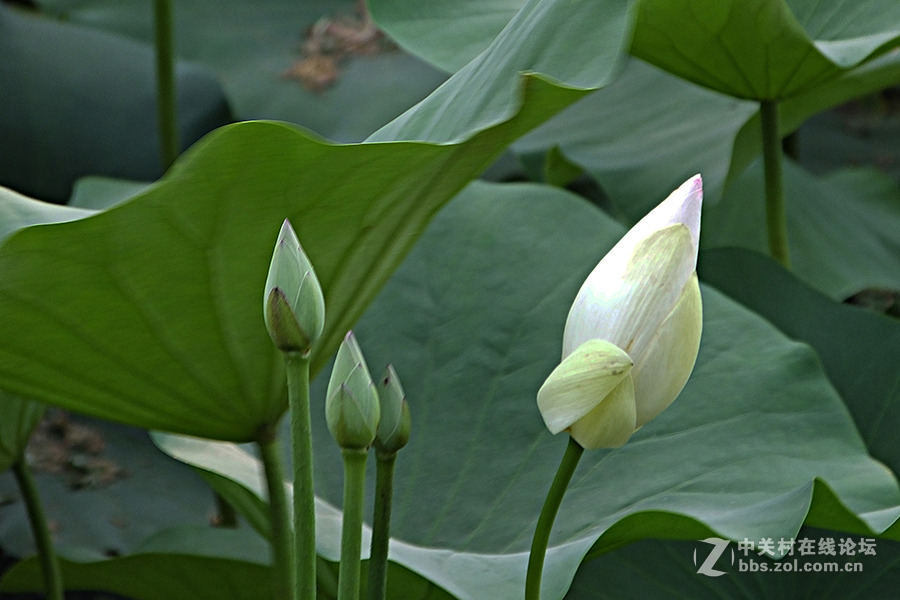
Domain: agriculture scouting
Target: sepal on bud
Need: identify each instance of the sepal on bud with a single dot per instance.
(591, 394)
(396, 422)
(352, 409)
(293, 304)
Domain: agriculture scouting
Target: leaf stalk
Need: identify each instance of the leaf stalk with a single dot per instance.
(53, 583)
(381, 524)
(166, 111)
(282, 548)
(773, 165)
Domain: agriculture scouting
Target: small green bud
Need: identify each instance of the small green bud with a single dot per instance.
(293, 305)
(352, 409)
(395, 424)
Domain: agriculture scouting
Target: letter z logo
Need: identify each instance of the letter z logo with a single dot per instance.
(708, 567)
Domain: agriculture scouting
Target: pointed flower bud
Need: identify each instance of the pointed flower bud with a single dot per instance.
(293, 305)
(352, 409)
(395, 424)
(633, 331)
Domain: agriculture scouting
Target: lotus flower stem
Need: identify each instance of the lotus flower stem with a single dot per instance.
(165, 81)
(548, 516)
(53, 584)
(297, 367)
(351, 529)
(282, 549)
(381, 524)
(773, 162)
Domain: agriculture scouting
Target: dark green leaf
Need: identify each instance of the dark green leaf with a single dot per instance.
(763, 49)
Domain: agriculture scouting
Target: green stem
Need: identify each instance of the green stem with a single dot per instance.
(53, 583)
(165, 81)
(297, 367)
(282, 550)
(381, 524)
(773, 162)
(351, 530)
(548, 515)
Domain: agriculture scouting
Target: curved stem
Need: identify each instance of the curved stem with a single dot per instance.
(297, 367)
(548, 516)
(773, 163)
(282, 550)
(381, 524)
(53, 584)
(351, 530)
(166, 112)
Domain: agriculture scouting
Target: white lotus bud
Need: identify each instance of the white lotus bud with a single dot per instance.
(633, 331)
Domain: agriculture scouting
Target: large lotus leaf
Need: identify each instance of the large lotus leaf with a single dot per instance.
(654, 570)
(540, 38)
(147, 314)
(18, 418)
(78, 102)
(843, 227)
(638, 150)
(763, 49)
(749, 49)
(473, 320)
(252, 45)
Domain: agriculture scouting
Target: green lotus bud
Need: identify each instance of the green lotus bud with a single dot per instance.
(293, 305)
(352, 409)
(395, 424)
(640, 304)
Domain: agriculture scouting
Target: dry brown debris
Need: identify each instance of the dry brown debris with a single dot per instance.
(62, 446)
(332, 40)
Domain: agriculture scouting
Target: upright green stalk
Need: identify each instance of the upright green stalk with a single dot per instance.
(165, 81)
(297, 366)
(351, 530)
(381, 524)
(548, 516)
(53, 584)
(773, 162)
(282, 549)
